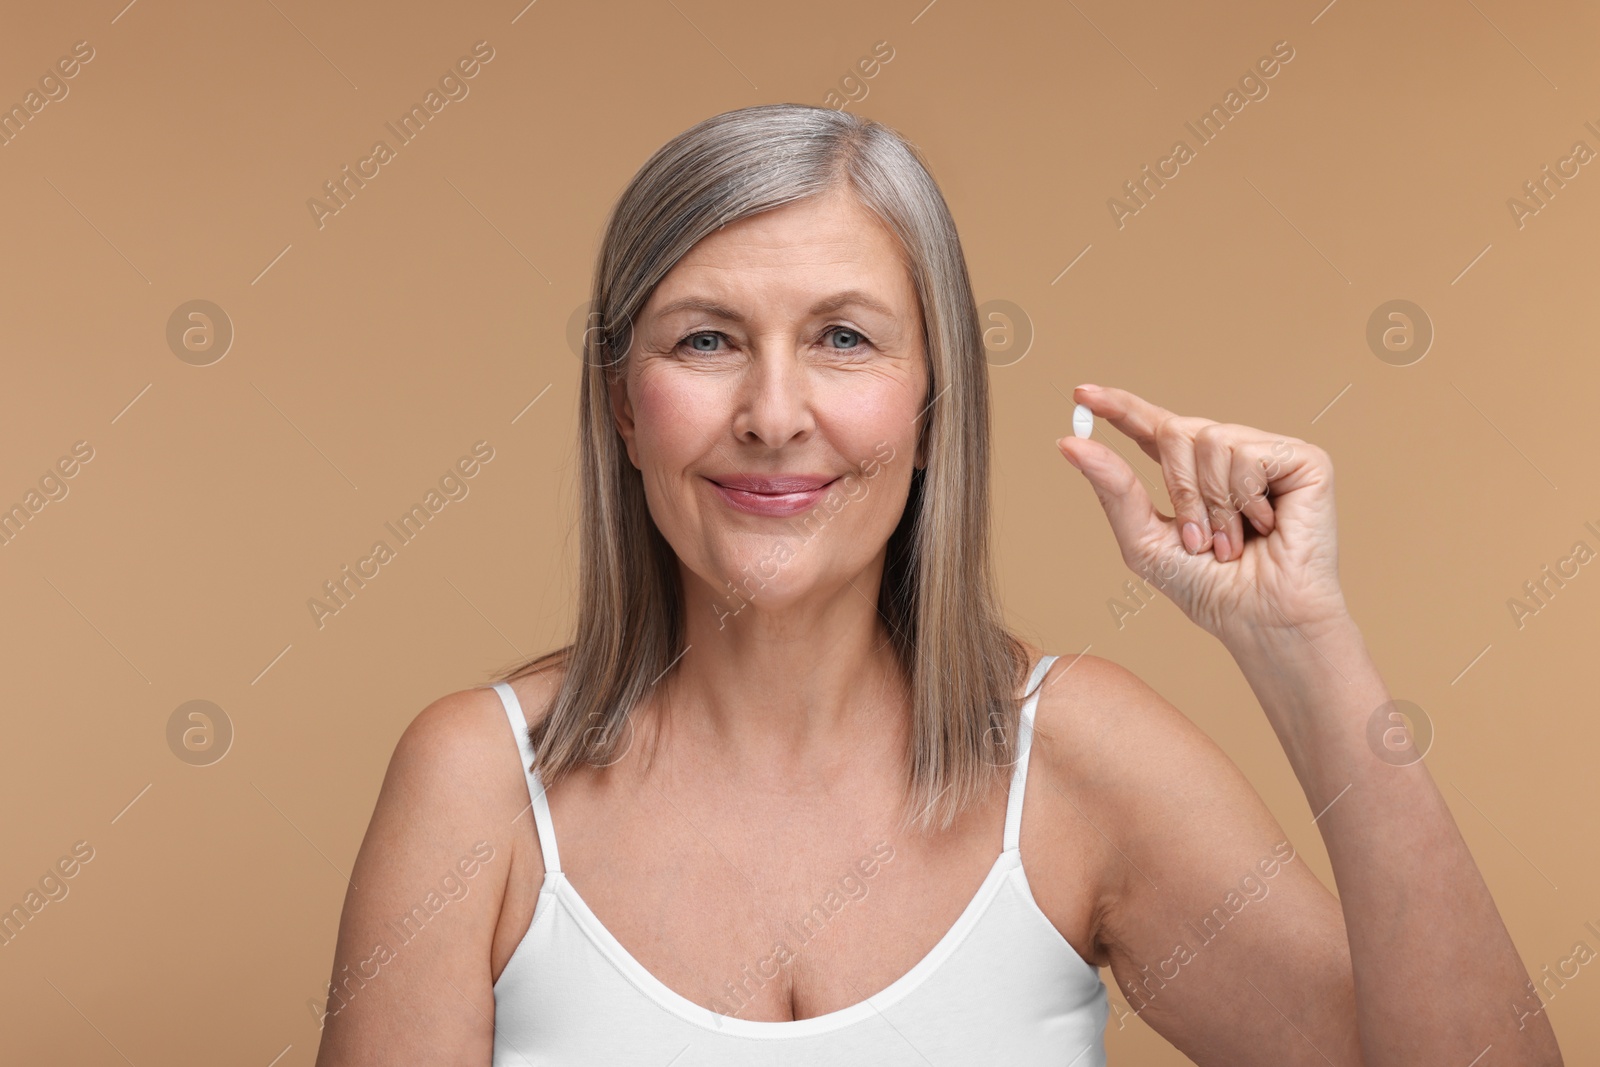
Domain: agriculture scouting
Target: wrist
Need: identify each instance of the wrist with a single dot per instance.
(1292, 641)
(1319, 687)
(1295, 668)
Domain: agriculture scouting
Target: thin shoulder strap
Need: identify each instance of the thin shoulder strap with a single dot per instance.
(541, 806)
(1019, 773)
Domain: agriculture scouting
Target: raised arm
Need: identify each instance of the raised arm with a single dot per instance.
(411, 972)
(1433, 968)
(1440, 980)
(1218, 934)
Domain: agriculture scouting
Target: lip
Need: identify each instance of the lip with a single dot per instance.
(772, 495)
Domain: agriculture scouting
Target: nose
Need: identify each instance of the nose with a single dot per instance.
(774, 403)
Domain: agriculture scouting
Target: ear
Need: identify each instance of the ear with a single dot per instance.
(622, 412)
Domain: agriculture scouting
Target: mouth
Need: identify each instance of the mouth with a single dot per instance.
(774, 495)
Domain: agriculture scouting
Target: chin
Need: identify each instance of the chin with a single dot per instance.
(773, 578)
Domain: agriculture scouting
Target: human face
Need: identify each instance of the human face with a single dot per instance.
(772, 400)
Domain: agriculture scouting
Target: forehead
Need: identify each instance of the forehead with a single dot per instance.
(792, 254)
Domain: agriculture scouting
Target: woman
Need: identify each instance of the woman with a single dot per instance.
(808, 800)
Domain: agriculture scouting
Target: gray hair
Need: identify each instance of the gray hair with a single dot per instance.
(962, 664)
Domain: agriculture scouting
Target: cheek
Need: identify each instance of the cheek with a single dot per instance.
(676, 417)
(876, 435)
(673, 417)
(865, 421)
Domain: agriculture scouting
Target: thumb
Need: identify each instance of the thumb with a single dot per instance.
(1133, 517)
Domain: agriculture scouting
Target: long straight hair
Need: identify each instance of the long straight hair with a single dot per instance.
(963, 667)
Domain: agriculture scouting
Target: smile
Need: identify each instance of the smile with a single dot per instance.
(773, 496)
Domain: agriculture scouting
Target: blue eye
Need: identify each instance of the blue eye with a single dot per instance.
(703, 341)
(707, 341)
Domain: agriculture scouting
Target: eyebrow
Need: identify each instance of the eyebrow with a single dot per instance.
(821, 307)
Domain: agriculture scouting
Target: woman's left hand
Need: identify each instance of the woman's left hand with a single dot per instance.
(1262, 558)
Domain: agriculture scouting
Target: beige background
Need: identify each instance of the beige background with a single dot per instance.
(432, 310)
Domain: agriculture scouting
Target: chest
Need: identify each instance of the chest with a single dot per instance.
(801, 911)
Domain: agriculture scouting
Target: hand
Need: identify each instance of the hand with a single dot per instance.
(1263, 556)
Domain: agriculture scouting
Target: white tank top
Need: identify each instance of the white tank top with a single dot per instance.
(1001, 986)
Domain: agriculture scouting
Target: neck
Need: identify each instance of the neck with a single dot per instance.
(793, 688)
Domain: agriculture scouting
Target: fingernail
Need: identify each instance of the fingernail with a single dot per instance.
(1220, 546)
(1067, 453)
(1192, 537)
(1089, 388)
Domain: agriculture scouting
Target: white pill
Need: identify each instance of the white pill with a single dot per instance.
(1082, 421)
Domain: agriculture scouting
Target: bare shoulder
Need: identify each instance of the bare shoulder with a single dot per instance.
(444, 844)
(1071, 865)
(461, 736)
(461, 746)
(1116, 752)
(457, 764)
(1143, 823)
(1099, 725)
(1109, 757)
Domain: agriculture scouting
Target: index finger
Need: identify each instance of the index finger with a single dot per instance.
(1132, 414)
